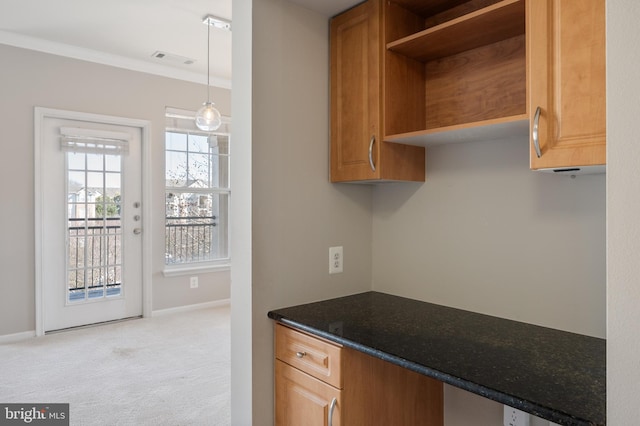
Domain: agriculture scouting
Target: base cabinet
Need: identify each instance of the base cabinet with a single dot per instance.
(330, 385)
(305, 400)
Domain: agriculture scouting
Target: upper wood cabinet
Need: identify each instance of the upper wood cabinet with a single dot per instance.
(567, 83)
(420, 73)
(358, 152)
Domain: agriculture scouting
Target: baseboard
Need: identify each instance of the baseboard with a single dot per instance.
(25, 335)
(17, 337)
(187, 308)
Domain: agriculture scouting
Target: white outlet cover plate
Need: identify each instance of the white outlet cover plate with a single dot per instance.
(193, 282)
(336, 260)
(515, 417)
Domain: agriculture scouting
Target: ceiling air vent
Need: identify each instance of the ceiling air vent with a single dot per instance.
(172, 58)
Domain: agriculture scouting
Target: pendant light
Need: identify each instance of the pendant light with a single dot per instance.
(208, 117)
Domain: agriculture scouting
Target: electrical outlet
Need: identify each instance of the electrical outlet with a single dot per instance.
(193, 282)
(515, 417)
(336, 260)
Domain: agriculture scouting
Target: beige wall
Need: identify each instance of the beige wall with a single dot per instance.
(623, 213)
(297, 213)
(30, 79)
(484, 233)
(242, 346)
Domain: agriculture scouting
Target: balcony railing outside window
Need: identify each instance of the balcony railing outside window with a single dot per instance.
(95, 264)
(191, 239)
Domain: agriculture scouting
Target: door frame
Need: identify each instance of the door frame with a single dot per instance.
(40, 114)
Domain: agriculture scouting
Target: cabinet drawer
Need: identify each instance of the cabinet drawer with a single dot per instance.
(316, 357)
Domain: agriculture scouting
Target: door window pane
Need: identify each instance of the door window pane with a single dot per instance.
(94, 229)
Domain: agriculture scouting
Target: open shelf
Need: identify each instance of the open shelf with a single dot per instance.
(431, 7)
(460, 80)
(491, 24)
(514, 127)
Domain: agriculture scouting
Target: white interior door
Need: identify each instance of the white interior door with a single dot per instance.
(91, 222)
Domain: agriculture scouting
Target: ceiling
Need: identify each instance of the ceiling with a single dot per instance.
(126, 33)
(327, 7)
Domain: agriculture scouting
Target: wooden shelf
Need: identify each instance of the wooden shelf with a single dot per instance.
(430, 7)
(489, 25)
(514, 127)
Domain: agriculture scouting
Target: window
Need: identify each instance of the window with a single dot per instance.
(196, 193)
(94, 229)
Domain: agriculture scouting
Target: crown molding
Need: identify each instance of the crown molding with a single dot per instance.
(83, 54)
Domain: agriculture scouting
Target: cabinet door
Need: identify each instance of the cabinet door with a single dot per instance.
(304, 400)
(567, 82)
(355, 93)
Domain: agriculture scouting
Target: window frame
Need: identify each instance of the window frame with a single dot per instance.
(182, 121)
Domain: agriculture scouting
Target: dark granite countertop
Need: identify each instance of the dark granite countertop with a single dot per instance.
(555, 375)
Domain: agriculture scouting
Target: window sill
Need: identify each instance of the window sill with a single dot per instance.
(195, 269)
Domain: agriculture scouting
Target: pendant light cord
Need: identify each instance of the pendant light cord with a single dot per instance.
(208, 58)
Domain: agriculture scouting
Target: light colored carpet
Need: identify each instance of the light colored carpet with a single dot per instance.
(167, 370)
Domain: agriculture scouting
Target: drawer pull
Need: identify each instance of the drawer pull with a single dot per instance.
(301, 354)
(371, 163)
(331, 408)
(534, 133)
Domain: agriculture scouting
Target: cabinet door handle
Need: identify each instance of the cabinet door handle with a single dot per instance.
(371, 142)
(534, 133)
(332, 407)
(301, 354)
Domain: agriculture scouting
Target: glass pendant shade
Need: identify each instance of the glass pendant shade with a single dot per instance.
(208, 117)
